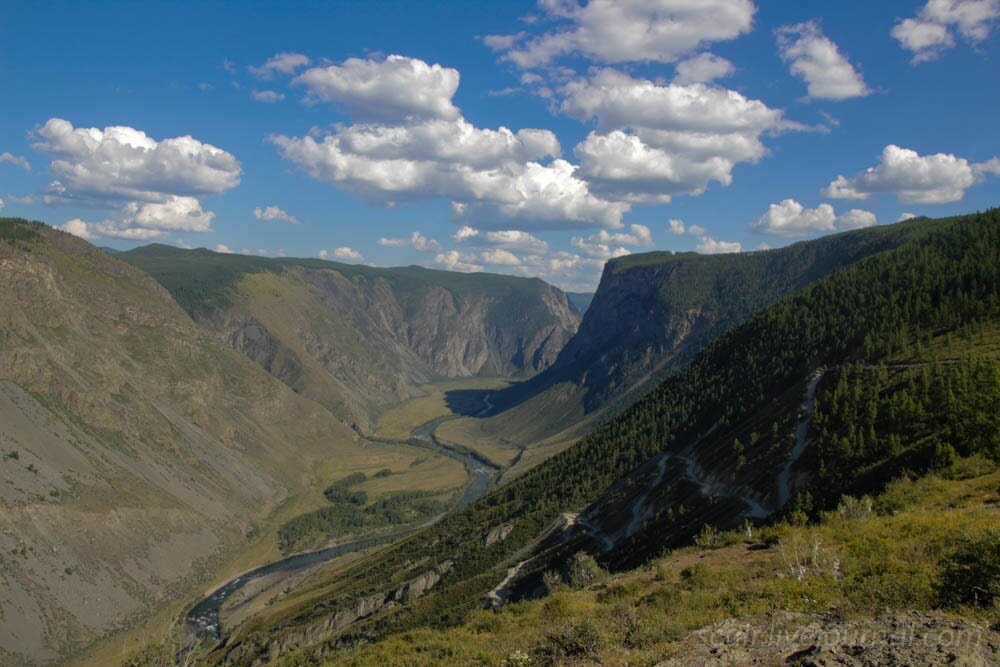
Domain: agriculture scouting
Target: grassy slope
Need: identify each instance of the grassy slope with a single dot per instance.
(145, 451)
(770, 355)
(855, 566)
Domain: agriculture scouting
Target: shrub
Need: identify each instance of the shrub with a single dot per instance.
(584, 570)
(971, 573)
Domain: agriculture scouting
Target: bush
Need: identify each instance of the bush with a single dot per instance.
(584, 570)
(971, 573)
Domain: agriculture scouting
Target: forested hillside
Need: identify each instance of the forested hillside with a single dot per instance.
(711, 444)
(653, 312)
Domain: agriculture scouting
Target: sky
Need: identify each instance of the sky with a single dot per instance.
(536, 139)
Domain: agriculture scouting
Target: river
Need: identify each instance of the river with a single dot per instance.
(202, 619)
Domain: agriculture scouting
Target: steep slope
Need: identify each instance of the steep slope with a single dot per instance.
(135, 450)
(361, 339)
(685, 455)
(653, 313)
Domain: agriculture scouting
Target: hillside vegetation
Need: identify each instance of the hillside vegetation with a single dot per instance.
(361, 339)
(137, 453)
(652, 313)
(685, 455)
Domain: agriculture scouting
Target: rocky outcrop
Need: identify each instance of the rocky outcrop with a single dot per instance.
(359, 339)
(331, 627)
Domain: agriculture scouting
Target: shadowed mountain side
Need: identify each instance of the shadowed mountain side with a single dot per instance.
(652, 314)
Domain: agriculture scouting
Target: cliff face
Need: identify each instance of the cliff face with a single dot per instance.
(134, 448)
(653, 312)
(360, 339)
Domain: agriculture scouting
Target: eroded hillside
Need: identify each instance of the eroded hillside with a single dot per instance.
(361, 339)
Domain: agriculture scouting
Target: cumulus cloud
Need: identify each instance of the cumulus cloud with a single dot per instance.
(903, 217)
(223, 248)
(697, 230)
(656, 141)
(267, 96)
(814, 58)
(790, 218)
(464, 233)
(411, 143)
(499, 256)
(124, 163)
(16, 160)
(416, 240)
(347, 253)
(913, 178)
(148, 220)
(710, 246)
(615, 31)
(390, 90)
(675, 226)
(274, 214)
(605, 245)
(931, 32)
(285, 63)
(703, 68)
(453, 260)
(154, 185)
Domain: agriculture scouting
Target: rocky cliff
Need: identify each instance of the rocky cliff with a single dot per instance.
(360, 339)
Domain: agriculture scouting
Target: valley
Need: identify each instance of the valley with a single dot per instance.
(297, 526)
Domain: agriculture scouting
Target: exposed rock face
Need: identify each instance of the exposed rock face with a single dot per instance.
(359, 339)
(329, 628)
(654, 312)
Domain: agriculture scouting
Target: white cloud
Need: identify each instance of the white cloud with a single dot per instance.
(267, 96)
(816, 59)
(656, 141)
(126, 164)
(697, 230)
(675, 226)
(453, 260)
(347, 253)
(465, 232)
(856, 218)
(16, 160)
(617, 31)
(703, 68)
(913, 178)
(514, 239)
(154, 185)
(148, 220)
(790, 219)
(499, 256)
(414, 144)
(903, 217)
(285, 63)
(26, 199)
(930, 34)
(710, 246)
(391, 90)
(223, 248)
(274, 213)
(618, 100)
(1, 204)
(602, 245)
(416, 240)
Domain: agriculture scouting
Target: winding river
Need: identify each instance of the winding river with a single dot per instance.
(202, 619)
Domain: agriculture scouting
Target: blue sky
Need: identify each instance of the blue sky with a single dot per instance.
(375, 133)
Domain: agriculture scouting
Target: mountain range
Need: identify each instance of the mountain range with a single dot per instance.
(167, 410)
